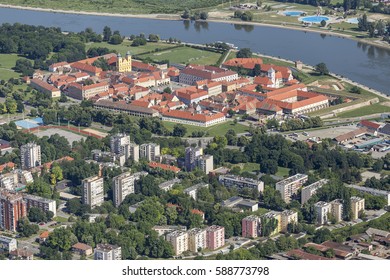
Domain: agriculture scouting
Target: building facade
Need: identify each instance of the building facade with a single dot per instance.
(215, 237)
(337, 209)
(7, 244)
(322, 210)
(44, 204)
(288, 217)
(149, 151)
(123, 185)
(251, 226)
(289, 187)
(193, 190)
(308, 191)
(12, 209)
(241, 182)
(108, 252)
(357, 206)
(197, 239)
(120, 144)
(179, 241)
(93, 191)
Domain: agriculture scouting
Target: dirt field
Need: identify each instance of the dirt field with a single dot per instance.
(71, 137)
(96, 132)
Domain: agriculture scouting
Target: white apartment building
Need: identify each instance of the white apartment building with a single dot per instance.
(289, 187)
(162, 230)
(179, 241)
(120, 144)
(168, 185)
(197, 238)
(108, 252)
(149, 151)
(288, 217)
(308, 191)
(193, 190)
(44, 204)
(241, 182)
(322, 210)
(205, 163)
(93, 191)
(8, 244)
(122, 186)
(30, 155)
(337, 209)
(357, 205)
(385, 194)
(134, 152)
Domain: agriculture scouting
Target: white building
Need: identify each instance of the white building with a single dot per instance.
(241, 182)
(168, 185)
(120, 144)
(337, 209)
(123, 185)
(289, 187)
(197, 239)
(179, 241)
(30, 155)
(134, 152)
(162, 230)
(322, 210)
(7, 244)
(44, 204)
(288, 217)
(357, 206)
(93, 191)
(308, 191)
(193, 190)
(107, 252)
(149, 151)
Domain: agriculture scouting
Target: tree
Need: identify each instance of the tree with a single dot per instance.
(167, 90)
(36, 215)
(244, 53)
(11, 105)
(179, 130)
(40, 188)
(204, 15)
(154, 38)
(186, 14)
(322, 69)
(116, 39)
(323, 23)
(26, 229)
(269, 166)
(257, 70)
(363, 23)
(107, 33)
(61, 239)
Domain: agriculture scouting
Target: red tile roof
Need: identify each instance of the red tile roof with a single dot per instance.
(185, 115)
(86, 67)
(167, 167)
(369, 124)
(43, 85)
(10, 165)
(207, 72)
(247, 63)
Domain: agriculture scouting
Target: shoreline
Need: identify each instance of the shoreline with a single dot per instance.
(175, 17)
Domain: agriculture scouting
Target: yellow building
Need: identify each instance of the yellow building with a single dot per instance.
(357, 205)
(124, 63)
(270, 216)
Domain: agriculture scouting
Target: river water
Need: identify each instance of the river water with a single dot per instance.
(363, 63)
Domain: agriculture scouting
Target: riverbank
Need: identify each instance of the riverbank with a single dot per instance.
(174, 17)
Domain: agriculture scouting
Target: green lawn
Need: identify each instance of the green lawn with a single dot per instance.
(283, 171)
(126, 46)
(60, 219)
(7, 62)
(248, 166)
(185, 55)
(364, 111)
(219, 129)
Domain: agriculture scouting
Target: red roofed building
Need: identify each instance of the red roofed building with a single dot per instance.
(198, 212)
(246, 63)
(193, 73)
(45, 88)
(370, 125)
(139, 66)
(9, 165)
(233, 85)
(83, 67)
(59, 67)
(190, 95)
(185, 117)
(137, 92)
(81, 92)
(166, 167)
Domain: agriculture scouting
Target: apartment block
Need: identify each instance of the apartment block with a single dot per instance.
(42, 203)
(383, 193)
(7, 244)
(149, 151)
(205, 163)
(278, 217)
(357, 205)
(193, 190)
(101, 156)
(134, 152)
(179, 241)
(289, 187)
(12, 209)
(123, 185)
(241, 182)
(166, 186)
(191, 154)
(93, 191)
(288, 217)
(251, 226)
(30, 155)
(120, 144)
(162, 230)
(308, 191)
(337, 209)
(215, 237)
(108, 252)
(197, 239)
(322, 210)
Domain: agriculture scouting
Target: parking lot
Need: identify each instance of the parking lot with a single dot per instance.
(71, 137)
(323, 133)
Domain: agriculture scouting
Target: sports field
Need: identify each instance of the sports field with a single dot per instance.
(70, 136)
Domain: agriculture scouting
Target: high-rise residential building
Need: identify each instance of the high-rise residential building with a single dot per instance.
(107, 252)
(179, 241)
(149, 151)
(357, 205)
(241, 182)
(251, 226)
(215, 237)
(288, 217)
(120, 144)
(12, 209)
(93, 191)
(205, 163)
(336, 208)
(289, 187)
(30, 155)
(193, 190)
(322, 210)
(134, 152)
(8, 244)
(308, 191)
(197, 239)
(191, 154)
(44, 204)
(273, 215)
(123, 185)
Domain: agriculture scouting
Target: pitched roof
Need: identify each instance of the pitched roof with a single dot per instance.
(167, 167)
(81, 246)
(43, 85)
(124, 106)
(206, 72)
(247, 63)
(369, 124)
(10, 165)
(185, 115)
(86, 67)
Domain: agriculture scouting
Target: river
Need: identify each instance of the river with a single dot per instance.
(363, 63)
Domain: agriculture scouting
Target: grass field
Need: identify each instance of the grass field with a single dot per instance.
(219, 129)
(364, 111)
(282, 172)
(126, 46)
(7, 62)
(185, 55)
(248, 166)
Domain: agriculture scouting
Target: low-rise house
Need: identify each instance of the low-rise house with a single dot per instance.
(21, 254)
(82, 249)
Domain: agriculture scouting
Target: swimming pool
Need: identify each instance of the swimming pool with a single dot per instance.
(293, 13)
(314, 19)
(353, 20)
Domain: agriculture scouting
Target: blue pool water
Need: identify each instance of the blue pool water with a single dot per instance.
(314, 19)
(353, 20)
(292, 13)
